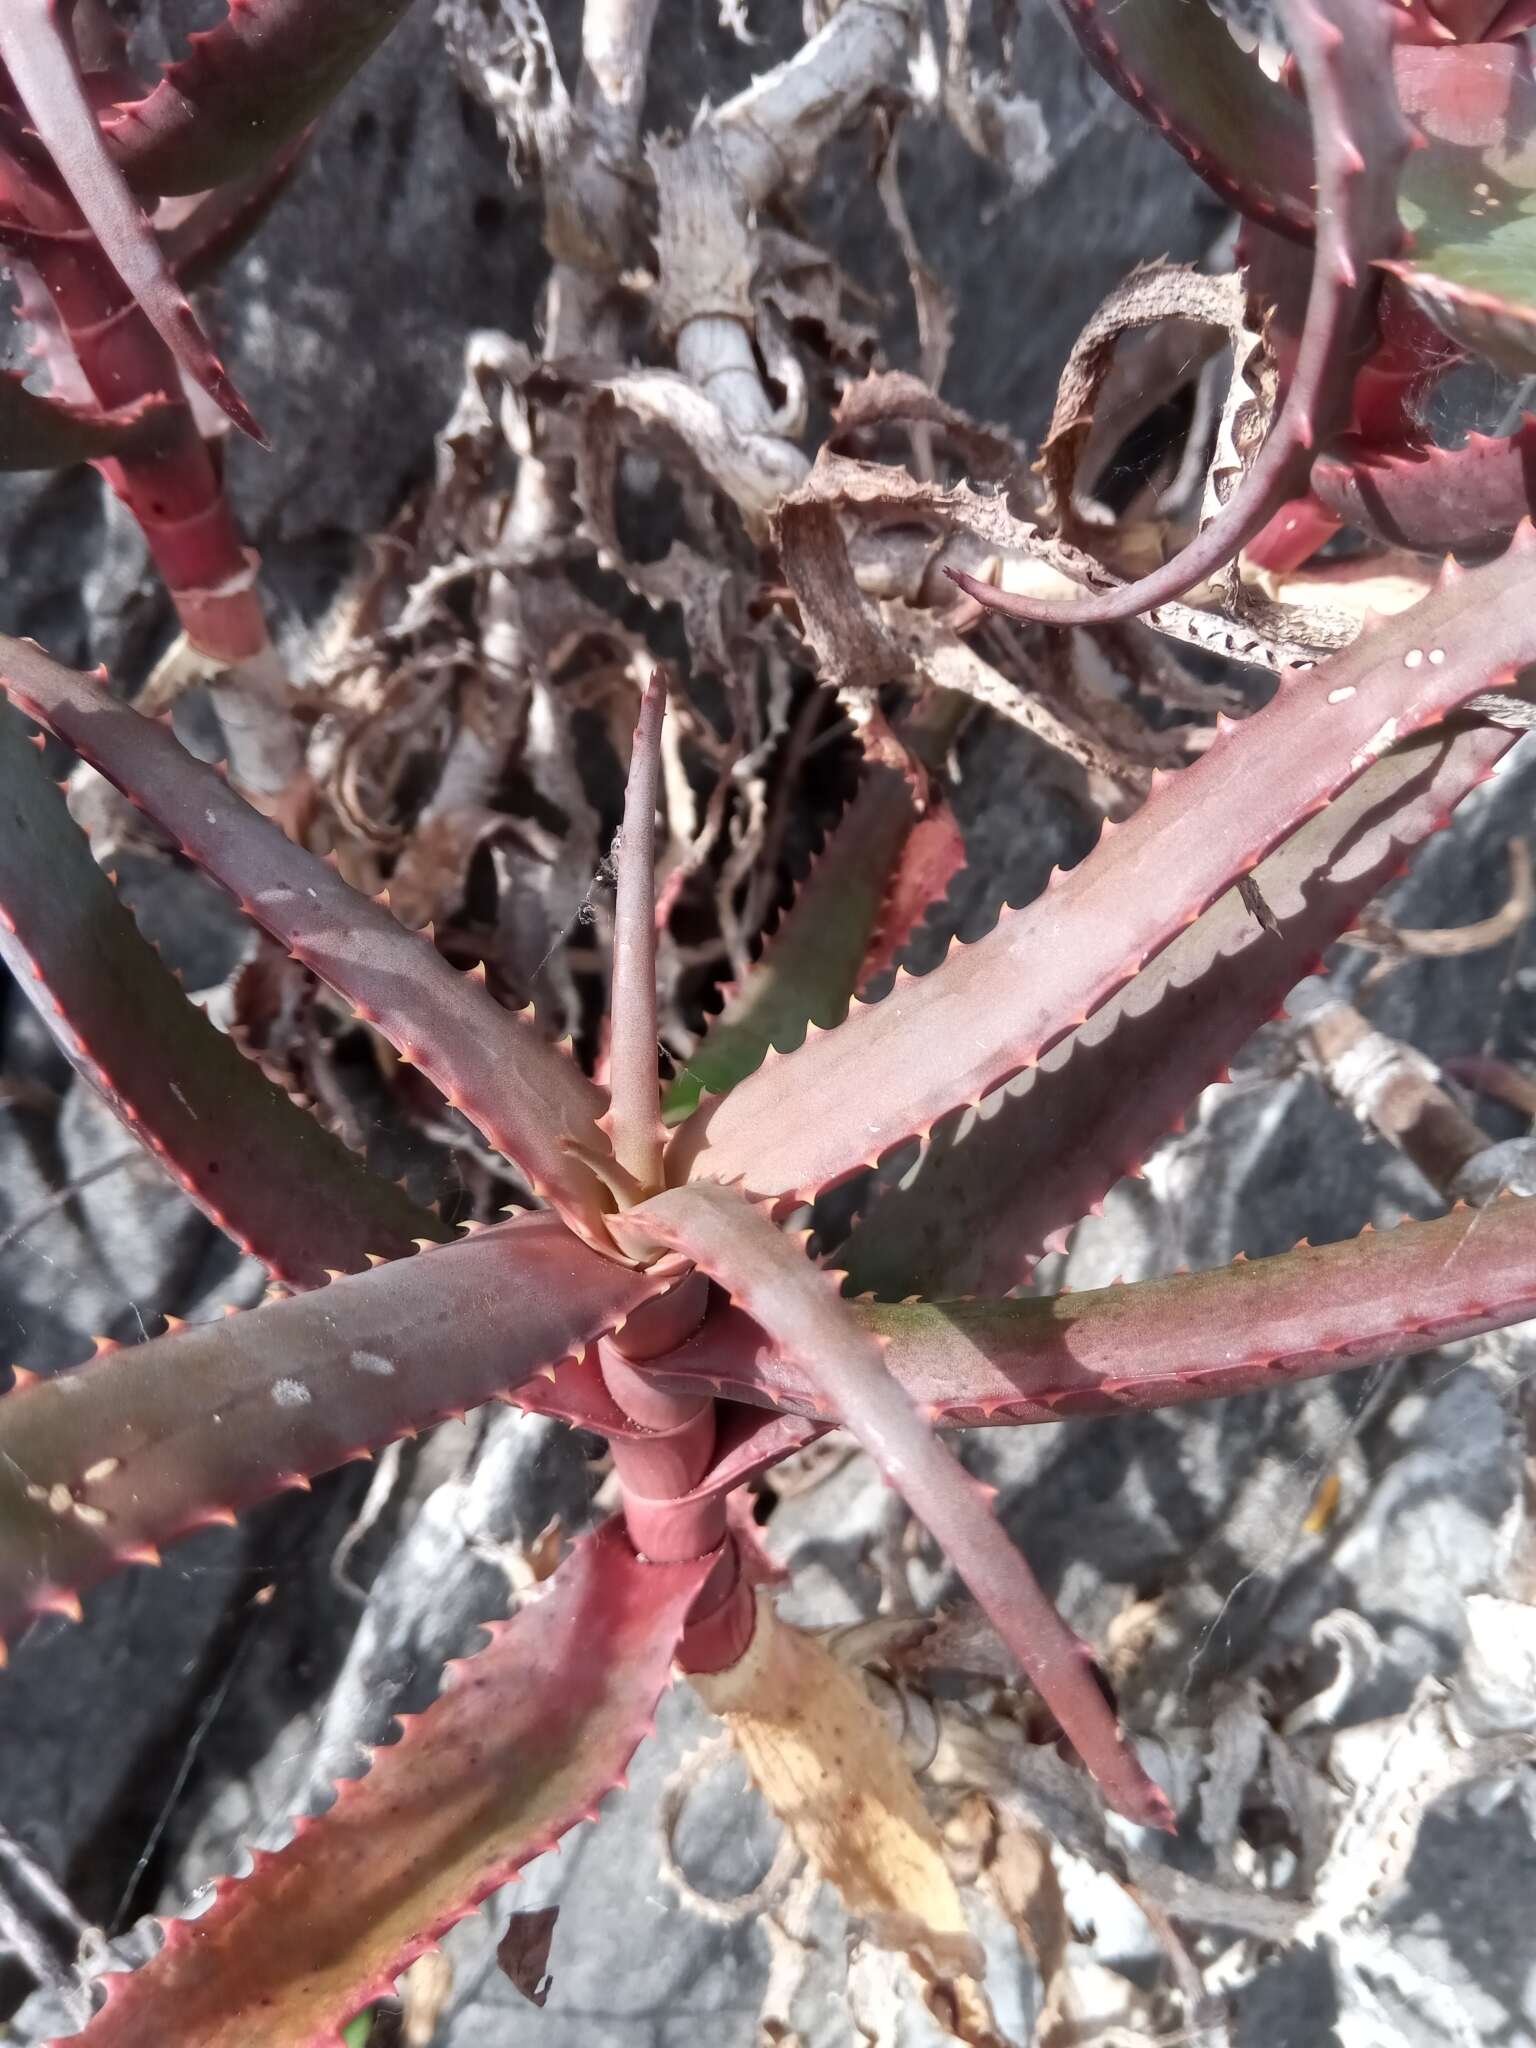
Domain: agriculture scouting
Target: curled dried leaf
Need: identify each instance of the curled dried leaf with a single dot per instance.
(824, 1759)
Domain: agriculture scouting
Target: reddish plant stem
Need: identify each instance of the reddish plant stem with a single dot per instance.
(722, 1618)
(174, 491)
(659, 1472)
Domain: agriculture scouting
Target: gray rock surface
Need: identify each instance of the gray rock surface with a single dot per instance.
(186, 1716)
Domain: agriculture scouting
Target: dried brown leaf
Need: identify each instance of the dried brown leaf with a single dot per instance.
(684, 577)
(1150, 295)
(895, 397)
(522, 1954)
(830, 1768)
(1021, 1877)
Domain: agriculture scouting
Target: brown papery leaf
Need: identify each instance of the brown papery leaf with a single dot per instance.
(825, 1760)
(522, 1954)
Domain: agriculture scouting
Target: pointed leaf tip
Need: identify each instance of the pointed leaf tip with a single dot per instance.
(739, 1247)
(41, 64)
(634, 1116)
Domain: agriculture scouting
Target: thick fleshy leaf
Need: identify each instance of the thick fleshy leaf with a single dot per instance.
(1343, 50)
(1437, 500)
(1200, 1336)
(35, 50)
(765, 1273)
(999, 1183)
(42, 433)
(525, 1739)
(243, 89)
(237, 1145)
(212, 227)
(1469, 197)
(816, 960)
(934, 854)
(1245, 1328)
(101, 1466)
(1177, 64)
(995, 1008)
(527, 1098)
(747, 1441)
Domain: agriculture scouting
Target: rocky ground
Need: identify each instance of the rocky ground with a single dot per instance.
(1260, 1608)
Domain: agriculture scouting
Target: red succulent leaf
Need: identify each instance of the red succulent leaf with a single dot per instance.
(102, 1465)
(44, 433)
(1250, 1327)
(1000, 1185)
(525, 1739)
(528, 1098)
(1177, 65)
(838, 931)
(35, 50)
(928, 863)
(235, 1143)
(746, 1440)
(767, 1276)
(244, 89)
(205, 231)
(1433, 499)
(1466, 197)
(1261, 1323)
(996, 1007)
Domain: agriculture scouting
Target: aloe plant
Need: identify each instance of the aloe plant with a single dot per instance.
(1419, 210)
(87, 155)
(664, 1292)
(106, 1464)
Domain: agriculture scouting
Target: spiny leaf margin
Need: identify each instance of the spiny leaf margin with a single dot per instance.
(994, 1008)
(234, 1142)
(524, 1095)
(525, 1739)
(103, 1465)
(737, 1246)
